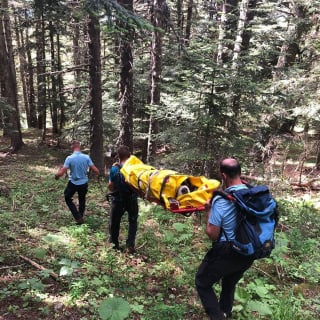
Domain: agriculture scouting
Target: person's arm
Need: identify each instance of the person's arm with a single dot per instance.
(212, 231)
(111, 186)
(94, 169)
(113, 173)
(62, 171)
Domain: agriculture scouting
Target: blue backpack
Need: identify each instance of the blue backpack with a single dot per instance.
(121, 187)
(257, 218)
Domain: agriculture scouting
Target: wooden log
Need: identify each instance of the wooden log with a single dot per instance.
(40, 267)
(11, 267)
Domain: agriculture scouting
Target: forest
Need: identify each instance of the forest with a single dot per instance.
(183, 84)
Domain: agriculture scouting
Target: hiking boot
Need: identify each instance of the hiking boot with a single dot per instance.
(117, 248)
(80, 221)
(130, 250)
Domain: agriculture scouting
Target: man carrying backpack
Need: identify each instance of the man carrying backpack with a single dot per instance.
(78, 163)
(123, 200)
(221, 261)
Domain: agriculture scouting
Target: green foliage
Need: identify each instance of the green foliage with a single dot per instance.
(114, 309)
(68, 267)
(158, 281)
(31, 284)
(167, 312)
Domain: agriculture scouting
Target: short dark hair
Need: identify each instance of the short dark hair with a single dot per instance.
(123, 153)
(75, 144)
(231, 167)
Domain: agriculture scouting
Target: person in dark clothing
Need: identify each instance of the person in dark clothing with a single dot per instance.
(78, 163)
(221, 262)
(123, 200)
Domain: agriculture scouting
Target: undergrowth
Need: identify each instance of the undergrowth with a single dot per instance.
(155, 283)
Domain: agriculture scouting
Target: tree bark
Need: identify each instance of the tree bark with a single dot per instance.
(22, 66)
(188, 22)
(62, 118)
(126, 83)
(8, 81)
(96, 139)
(227, 26)
(180, 19)
(41, 68)
(156, 70)
(54, 95)
(241, 45)
(30, 79)
(290, 48)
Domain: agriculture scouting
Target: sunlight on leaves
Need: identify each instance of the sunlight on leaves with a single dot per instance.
(52, 239)
(260, 307)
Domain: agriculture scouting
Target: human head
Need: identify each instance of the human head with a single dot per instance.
(123, 153)
(75, 145)
(230, 170)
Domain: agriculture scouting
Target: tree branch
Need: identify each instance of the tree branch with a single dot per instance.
(40, 267)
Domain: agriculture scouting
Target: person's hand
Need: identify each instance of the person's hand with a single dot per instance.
(207, 205)
(56, 177)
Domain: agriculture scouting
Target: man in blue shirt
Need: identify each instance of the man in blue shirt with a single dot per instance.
(78, 164)
(221, 261)
(123, 200)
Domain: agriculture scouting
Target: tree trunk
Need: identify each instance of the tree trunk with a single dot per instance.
(180, 16)
(126, 84)
(290, 48)
(188, 23)
(54, 94)
(8, 81)
(62, 118)
(41, 70)
(30, 80)
(180, 24)
(76, 46)
(156, 70)
(242, 41)
(227, 26)
(288, 54)
(96, 139)
(22, 66)
(239, 38)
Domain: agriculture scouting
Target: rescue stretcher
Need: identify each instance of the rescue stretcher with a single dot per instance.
(178, 193)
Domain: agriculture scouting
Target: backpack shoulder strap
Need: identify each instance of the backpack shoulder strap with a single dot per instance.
(223, 194)
(228, 196)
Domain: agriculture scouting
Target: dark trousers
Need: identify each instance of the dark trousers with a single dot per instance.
(220, 263)
(118, 208)
(69, 192)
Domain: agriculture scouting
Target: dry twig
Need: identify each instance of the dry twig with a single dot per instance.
(40, 267)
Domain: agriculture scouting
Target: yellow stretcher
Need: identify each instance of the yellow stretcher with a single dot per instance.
(179, 193)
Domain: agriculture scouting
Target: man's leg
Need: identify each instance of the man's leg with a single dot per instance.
(210, 272)
(69, 192)
(116, 213)
(229, 282)
(82, 191)
(133, 212)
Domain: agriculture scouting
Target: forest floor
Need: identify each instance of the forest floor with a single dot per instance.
(80, 269)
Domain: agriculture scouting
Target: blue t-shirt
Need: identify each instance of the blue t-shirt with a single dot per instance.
(78, 163)
(223, 214)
